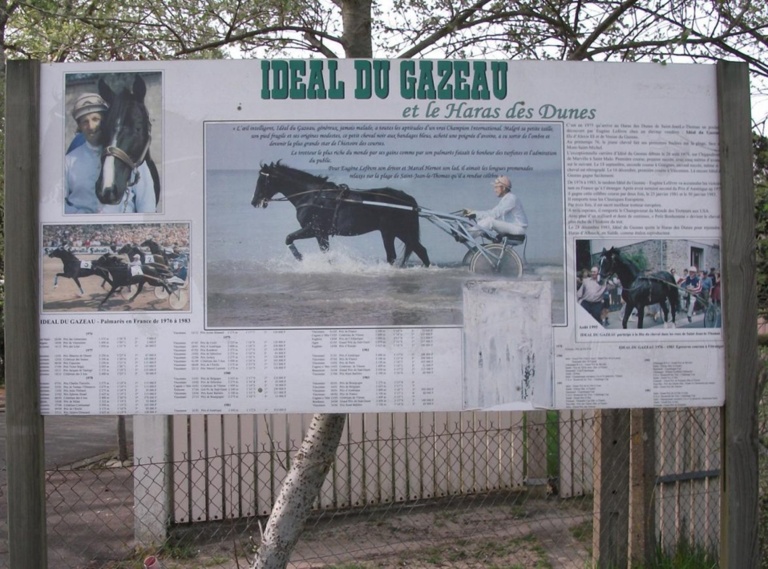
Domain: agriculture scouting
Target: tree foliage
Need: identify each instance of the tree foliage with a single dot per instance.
(760, 174)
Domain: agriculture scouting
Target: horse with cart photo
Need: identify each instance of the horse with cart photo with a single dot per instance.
(395, 240)
(325, 209)
(130, 276)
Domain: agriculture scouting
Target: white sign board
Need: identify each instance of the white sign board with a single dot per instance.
(236, 230)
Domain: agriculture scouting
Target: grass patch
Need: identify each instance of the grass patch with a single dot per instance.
(685, 556)
(486, 553)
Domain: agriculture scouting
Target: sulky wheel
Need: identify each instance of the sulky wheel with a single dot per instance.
(178, 298)
(502, 261)
(467, 260)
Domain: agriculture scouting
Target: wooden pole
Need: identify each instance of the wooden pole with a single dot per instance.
(611, 495)
(642, 486)
(739, 482)
(24, 424)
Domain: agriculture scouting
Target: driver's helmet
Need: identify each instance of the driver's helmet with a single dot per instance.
(88, 103)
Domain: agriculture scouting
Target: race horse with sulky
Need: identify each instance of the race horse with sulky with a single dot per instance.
(126, 137)
(325, 209)
(74, 268)
(638, 290)
(158, 254)
(155, 260)
(123, 275)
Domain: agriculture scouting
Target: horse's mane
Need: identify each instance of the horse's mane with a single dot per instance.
(297, 175)
(631, 265)
(302, 177)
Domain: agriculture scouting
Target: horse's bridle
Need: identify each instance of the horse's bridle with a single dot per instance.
(610, 272)
(121, 155)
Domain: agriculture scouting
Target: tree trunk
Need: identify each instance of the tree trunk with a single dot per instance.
(356, 17)
(299, 491)
(311, 464)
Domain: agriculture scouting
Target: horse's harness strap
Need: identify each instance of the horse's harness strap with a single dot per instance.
(343, 189)
(121, 155)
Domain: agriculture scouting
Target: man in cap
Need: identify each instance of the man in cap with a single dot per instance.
(507, 217)
(692, 284)
(82, 166)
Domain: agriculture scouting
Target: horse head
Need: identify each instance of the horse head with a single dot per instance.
(153, 247)
(265, 185)
(59, 252)
(125, 136)
(607, 264)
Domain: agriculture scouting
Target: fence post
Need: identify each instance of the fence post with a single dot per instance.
(739, 500)
(152, 478)
(536, 465)
(642, 504)
(611, 480)
(24, 445)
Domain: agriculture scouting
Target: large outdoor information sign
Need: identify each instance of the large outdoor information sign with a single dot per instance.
(227, 237)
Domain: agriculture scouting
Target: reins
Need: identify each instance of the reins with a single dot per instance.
(340, 188)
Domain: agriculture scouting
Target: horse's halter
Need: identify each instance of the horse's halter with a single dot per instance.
(605, 272)
(113, 151)
(264, 201)
(121, 155)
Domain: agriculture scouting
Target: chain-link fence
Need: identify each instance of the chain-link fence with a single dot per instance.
(406, 490)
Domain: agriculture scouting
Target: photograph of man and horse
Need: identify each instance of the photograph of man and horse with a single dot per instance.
(648, 284)
(113, 143)
(320, 237)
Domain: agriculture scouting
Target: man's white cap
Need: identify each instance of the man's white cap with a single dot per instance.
(88, 103)
(503, 181)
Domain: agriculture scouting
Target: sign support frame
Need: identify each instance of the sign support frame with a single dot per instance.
(739, 456)
(25, 451)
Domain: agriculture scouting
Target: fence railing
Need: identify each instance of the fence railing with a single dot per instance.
(232, 466)
(451, 478)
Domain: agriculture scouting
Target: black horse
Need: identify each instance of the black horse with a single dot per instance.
(325, 209)
(74, 268)
(638, 291)
(125, 136)
(157, 262)
(157, 251)
(123, 275)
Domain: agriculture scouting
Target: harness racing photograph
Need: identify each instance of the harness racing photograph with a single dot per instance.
(117, 267)
(378, 223)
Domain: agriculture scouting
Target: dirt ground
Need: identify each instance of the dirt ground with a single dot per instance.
(467, 534)
(67, 298)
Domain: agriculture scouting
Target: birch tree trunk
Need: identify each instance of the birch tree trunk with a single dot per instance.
(299, 491)
(311, 464)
